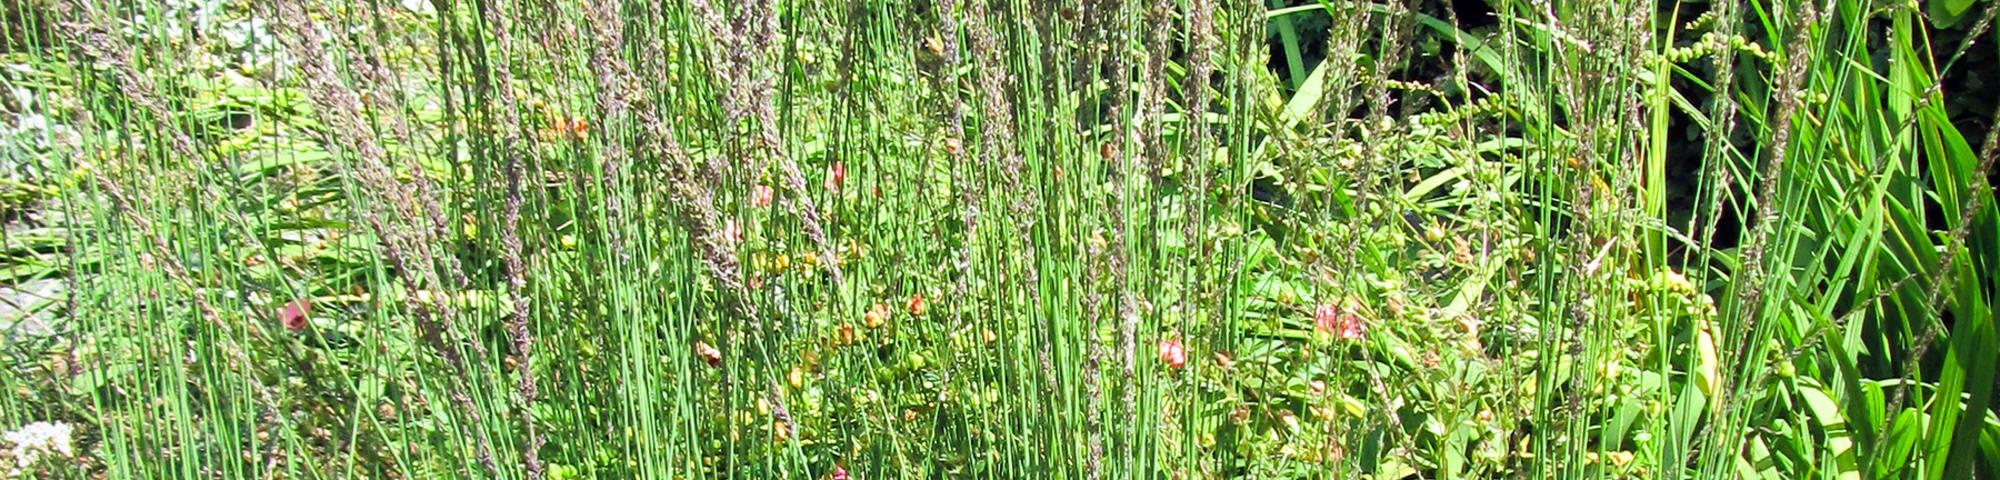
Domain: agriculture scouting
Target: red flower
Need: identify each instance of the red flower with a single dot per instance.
(295, 313)
(835, 175)
(1172, 353)
(839, 473)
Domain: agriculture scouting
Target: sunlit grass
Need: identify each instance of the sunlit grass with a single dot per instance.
(970, 239)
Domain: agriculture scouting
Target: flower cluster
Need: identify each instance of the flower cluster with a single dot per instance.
(33, 441)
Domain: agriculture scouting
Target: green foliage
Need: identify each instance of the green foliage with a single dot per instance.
(973, 239)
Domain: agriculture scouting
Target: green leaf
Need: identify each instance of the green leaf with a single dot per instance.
(1826, 413)
(1946, 13)
(1300, 107)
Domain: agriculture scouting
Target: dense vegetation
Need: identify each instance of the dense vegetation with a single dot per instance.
(1159, 239)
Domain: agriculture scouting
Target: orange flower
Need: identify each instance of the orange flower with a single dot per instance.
(581, 129)
(916, 305)
(876, 316)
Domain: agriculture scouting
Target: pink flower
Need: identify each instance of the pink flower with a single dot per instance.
(762, 197)
(1350, 326)
(731, 233)
(835, 175)
(1325, 317)
(295, 313)
(1341, 322)
(839, 473)
(1172, 353)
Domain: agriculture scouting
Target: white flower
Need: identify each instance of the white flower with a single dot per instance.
(36, 439)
